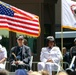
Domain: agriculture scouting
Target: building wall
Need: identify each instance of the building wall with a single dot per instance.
(58, 12)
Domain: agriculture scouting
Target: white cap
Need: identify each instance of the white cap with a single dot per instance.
(50, 38)
(0, 37)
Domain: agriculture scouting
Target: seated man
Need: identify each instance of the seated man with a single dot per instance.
(50, 56)
(3, 56)
(20, 55)
(66, 57)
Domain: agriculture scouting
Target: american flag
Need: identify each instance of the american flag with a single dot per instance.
(17, 20)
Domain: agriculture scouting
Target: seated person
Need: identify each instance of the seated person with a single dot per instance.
(3, 56)
(50, 56)
(66, 57)
(20, 55)
(73, 53)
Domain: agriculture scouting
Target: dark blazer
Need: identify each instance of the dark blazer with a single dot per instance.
(25, 56)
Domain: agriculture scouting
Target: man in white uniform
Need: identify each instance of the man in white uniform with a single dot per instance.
(50, 56)
(3, 56)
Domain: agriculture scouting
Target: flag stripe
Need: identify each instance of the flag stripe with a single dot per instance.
(34, 18)
(12, 29)
(5, 26)
(22, 12)
(31, 31)
(20, 24)
(22, 17)
(17, 30)
(24, 31)
(26, 27)
(11, 23)
(15, 19)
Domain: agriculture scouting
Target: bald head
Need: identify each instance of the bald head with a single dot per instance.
(35, 73)
(62, 73)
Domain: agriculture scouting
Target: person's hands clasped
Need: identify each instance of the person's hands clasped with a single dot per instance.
(19, 62)
(16, 62)
(50, 60)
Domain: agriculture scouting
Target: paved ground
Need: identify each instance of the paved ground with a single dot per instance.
(11, 73)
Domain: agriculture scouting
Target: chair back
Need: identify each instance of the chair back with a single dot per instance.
(3, 65)
(30, 63)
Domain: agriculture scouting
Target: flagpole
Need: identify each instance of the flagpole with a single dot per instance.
(62, 43)
(61, 32)
(62, 40)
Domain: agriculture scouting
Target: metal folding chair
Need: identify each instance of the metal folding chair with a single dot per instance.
(30, 63)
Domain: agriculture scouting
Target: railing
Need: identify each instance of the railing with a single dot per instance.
(64, 65)
(61, 64)
(34, 65)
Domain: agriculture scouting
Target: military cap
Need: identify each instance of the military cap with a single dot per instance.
(50, 38)
(20, 37)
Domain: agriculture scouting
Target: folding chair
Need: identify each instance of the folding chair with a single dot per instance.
(30, 63)
(29, 66)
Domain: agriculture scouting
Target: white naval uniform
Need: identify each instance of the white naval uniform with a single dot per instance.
(46, 53)
(3, 54)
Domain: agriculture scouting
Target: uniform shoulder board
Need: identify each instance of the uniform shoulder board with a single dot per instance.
(0, 46)
(15, 47)
(2, 49)
(44, 48)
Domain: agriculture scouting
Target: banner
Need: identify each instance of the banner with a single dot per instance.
(68, 14)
